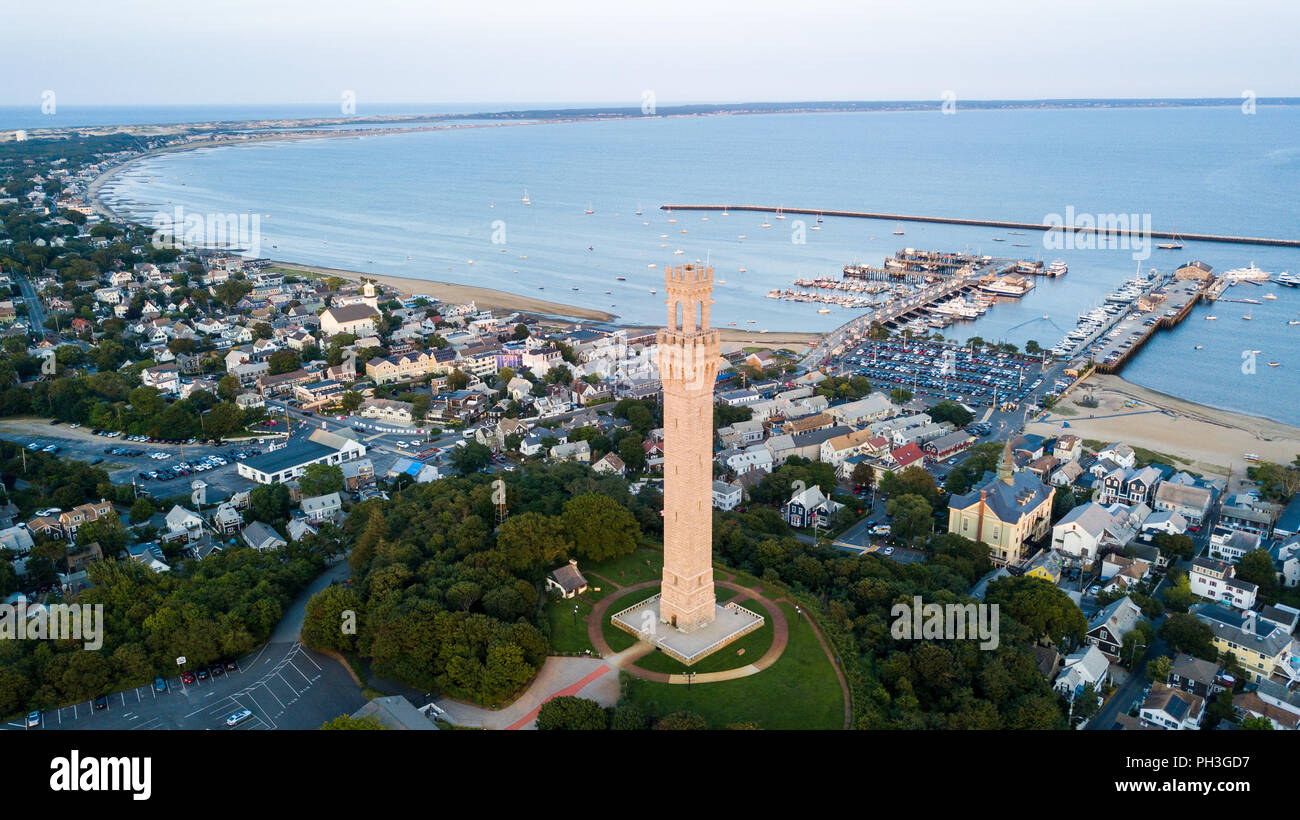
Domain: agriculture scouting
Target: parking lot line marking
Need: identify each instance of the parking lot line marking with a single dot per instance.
(299, 671)
(263, 711)
(268, 689)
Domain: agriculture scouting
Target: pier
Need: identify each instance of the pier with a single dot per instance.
(839, 339)
(990, 223)
(1178, 297)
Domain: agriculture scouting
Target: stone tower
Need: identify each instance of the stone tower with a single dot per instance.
(688, 356)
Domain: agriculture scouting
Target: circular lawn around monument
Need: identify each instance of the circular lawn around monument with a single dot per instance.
(619, 640)
(799, 691)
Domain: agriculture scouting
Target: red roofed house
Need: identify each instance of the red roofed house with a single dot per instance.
(906, 456)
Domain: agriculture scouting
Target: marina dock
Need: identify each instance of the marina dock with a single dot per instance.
(990, 223)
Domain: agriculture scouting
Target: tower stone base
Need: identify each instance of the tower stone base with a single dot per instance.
(730, 622)
(687, 604)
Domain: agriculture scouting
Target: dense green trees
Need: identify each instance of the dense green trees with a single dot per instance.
(599, 527)
(1187, 633)
(951, 411)
(912, 515)
(446, 604)
(470, 457)
(572, 713)
(221, 607)
(1040, 606)
(320, 479)
(331, 619)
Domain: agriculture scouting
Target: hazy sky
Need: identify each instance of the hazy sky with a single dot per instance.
(393, 51)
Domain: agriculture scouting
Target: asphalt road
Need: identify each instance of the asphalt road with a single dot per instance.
(35, 310)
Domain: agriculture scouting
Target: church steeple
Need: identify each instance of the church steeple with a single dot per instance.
(1006, 465)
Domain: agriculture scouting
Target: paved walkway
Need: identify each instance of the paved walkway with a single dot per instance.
(584, 677)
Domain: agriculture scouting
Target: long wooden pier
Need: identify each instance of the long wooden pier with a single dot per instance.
(990, 223)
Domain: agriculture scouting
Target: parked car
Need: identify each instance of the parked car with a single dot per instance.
(239, 717)
(101, 703)
(159, 685)
(188, 677)
(34, 720)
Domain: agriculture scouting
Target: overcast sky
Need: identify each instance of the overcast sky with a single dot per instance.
(486, 51)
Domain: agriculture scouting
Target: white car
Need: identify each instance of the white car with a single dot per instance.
(239, 717)
(49, 511)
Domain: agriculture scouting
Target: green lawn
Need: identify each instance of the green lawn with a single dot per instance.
(799, 691)
(754, 644)
(566, 635)
(642, 564)
(617, 639)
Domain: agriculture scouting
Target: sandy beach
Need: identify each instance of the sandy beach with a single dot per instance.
(491, 299)
(487, 298)
(1213, 440)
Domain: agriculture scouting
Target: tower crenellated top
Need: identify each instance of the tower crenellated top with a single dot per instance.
(690, 274)
(690, 293)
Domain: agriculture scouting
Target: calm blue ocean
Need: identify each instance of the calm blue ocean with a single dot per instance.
(442, 198)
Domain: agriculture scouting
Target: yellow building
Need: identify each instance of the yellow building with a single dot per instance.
(1004, 512)
(404, 367)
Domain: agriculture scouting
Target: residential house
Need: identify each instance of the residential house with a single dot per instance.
(610, 463)
(165, 378)
(810, 508)
(1217, 581)
(1067, 448)
(319, 509)
(1261, 648)
(1109, 625)
(1195, 675)
(567, 580)
(726, 495)
(579, 451)
(183, 525)
(1086, 666)
(1170, 708)
(357, 474)
(261, 537)
(1189, 501)
(390, 410)
(1229, 544)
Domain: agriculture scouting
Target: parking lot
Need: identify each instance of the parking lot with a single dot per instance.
(125, 459)
(284, 685)
(947, 371)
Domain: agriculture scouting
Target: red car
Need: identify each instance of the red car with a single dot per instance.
(188, 677)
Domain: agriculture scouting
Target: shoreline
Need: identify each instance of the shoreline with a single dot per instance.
(483, 297)
(1212, 440)
(493, 299)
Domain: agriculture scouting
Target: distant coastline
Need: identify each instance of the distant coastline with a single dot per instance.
(599, 112)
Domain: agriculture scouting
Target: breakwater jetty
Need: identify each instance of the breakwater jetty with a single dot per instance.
(990, 223)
